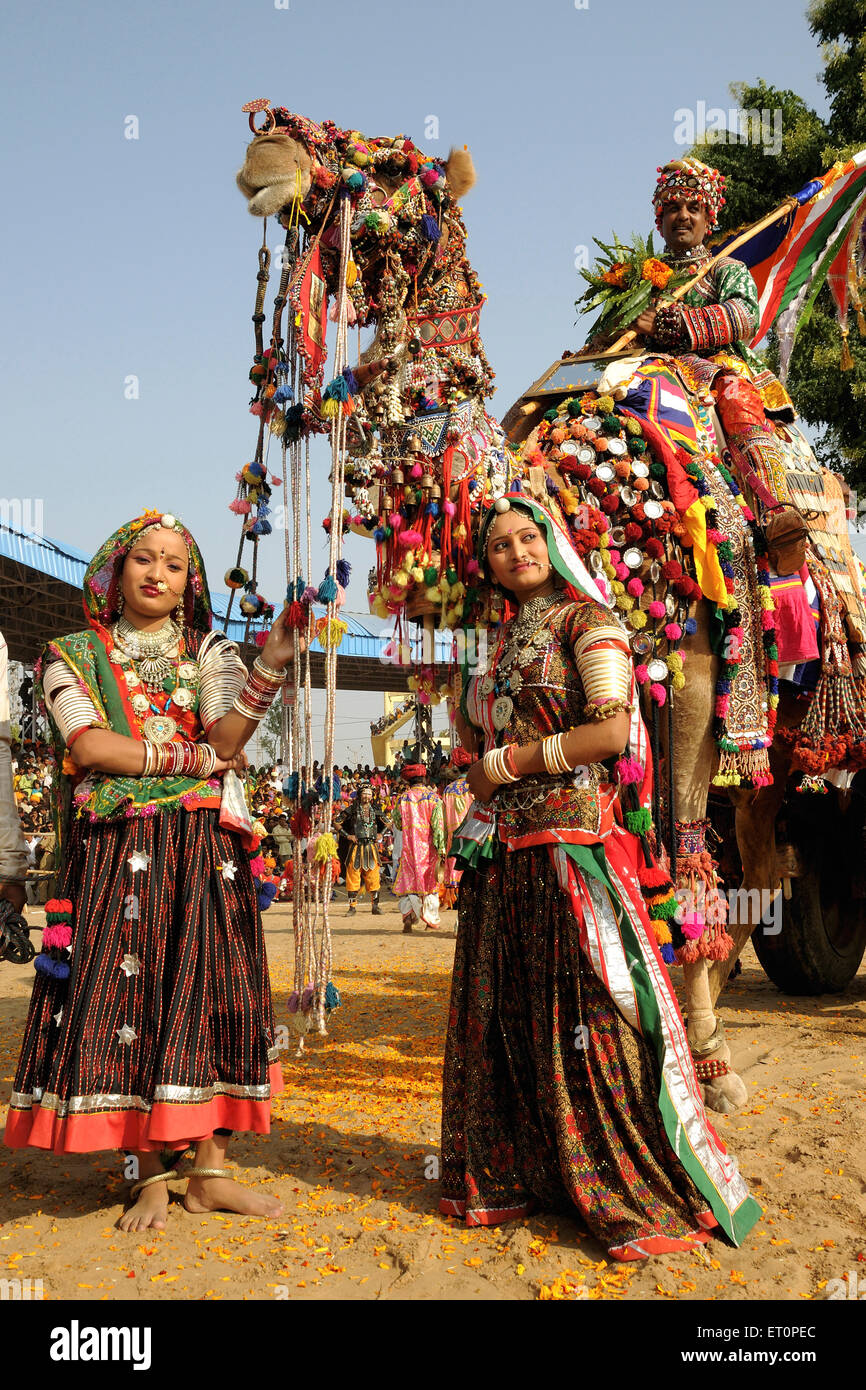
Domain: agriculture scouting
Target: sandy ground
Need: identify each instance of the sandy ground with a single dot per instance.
(353, 1155)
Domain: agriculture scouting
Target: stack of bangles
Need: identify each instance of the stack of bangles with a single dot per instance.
(499, 765)
(179, 760)
(555, 760)
(256, 698)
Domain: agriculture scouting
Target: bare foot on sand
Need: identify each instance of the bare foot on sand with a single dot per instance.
(150, 1207)
(224, 1194)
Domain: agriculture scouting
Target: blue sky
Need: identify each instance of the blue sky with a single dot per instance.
(137, 257)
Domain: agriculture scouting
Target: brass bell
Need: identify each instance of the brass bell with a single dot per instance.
(427, 480)
(435, 492)
(414, 444)
(399, 476)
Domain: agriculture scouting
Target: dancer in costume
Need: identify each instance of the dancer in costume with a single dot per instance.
(418, 816)
(362, 825)
(456, 800)
(150, 1026)
(568, 1080)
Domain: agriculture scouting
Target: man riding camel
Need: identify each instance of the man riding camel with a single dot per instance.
(708, 331)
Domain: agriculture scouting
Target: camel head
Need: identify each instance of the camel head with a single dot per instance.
(407, 252)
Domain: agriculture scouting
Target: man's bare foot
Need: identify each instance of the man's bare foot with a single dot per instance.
(149, 1209)
(224, 1194)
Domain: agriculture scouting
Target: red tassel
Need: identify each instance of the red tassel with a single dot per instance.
(296, 617)
(652, 877)
(445, 550)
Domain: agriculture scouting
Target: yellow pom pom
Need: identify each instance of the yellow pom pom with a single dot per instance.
(400, 579)
(418, 575)
(605, 405)
(678, 680)
(637, 619)
(625, 602)
(707, 501)
(329, 408)
(675, 661)
(326, 848)
(618, 586)
(408, 560)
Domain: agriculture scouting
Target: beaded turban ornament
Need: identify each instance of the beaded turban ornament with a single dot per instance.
(102, 577)
(689, 178)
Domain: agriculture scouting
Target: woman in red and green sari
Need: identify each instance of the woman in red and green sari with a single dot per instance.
(568, 1079)
(150, 1026)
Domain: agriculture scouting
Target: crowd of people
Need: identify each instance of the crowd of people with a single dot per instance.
(269, 798)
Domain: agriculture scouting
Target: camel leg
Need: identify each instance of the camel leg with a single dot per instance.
(694, 764)
(756, 813)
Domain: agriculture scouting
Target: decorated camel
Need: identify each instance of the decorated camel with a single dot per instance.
(658, 514)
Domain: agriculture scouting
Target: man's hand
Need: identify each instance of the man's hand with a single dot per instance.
(645, 323)
(480, 784)
(15, 894)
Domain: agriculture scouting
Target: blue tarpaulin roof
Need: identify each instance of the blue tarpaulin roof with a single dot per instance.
(68, 564)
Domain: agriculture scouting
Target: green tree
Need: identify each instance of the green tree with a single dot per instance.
(840, 27)
(271, 731)
(829, 399)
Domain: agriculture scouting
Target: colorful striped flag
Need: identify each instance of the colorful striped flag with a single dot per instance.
(789, 259)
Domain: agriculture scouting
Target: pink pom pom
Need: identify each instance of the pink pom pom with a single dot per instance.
(641, 674)
(693, 925)
(656, 609)
(341, 596)
(634, 587)
(310, 595)
(240, 506)
(614, 556)
(448, 507)
(622, 571)
(472, 567)
(60, 936)
(423, 697)
(416, 471)
(658, 693)
(395, 521)
(258, 867)
(629, 770)
(275, 481)
(410, 538)
(673, 632)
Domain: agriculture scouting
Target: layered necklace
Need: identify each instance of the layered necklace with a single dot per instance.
(152, 652)
(525, 641)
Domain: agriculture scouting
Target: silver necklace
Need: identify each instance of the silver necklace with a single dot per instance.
(149, 651)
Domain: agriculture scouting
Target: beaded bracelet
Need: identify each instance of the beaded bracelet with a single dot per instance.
(495, 767)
